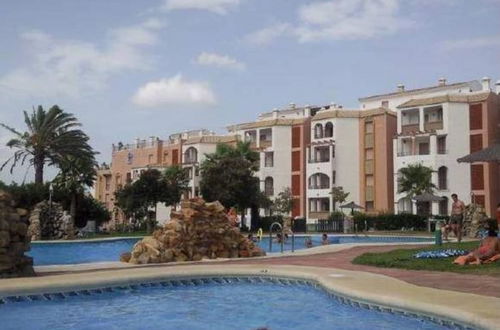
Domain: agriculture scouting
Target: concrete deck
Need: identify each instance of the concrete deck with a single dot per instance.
(474, 310)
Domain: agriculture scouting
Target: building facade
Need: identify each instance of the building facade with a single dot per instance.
(312, 149)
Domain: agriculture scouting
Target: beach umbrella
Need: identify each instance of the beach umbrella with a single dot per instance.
(351, 205)
(427, 197)
(489, 154)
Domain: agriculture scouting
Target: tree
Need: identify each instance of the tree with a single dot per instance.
(228, 175)
(51, 136)
(338, 195)
(283, 203)
(74, 176)
(415, 179)
(149, 190)
(176, 180)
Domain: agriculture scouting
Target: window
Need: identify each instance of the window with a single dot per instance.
(130, 158)
(370, 182)
(334, 177)
(423, 148)
(165, 157)
(443, 178)
(107, 182)
(129, 177)
(369, 206)
(441, 145)
(443, 206)
(269, 186)
(369, 127)
(477, 176)
(476, 116)
(368, 154)
(296, 184)
(269, 159)
(318, 131)
(476, 142)
(296, 137)
(385, 104)
(296, 162)
(150, 159)
(329, 129)
(319, 181)
(196, 172)
(191, 155)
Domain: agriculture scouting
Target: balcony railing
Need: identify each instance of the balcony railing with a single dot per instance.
(319, 186)
(408, 128)
(265, 143)
(319, 214)
(190, 161)
(433, 125)
(319, 160)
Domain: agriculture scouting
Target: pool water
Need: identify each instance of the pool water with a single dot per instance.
(79, 252)
(110, 250)
(316, 240)
(238, 305)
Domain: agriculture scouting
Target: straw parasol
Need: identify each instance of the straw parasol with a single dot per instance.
(352, 206)
(489, 154)
(427, 197)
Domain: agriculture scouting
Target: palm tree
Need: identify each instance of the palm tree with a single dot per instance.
(415, 179)
(75, 174)
(51, 136)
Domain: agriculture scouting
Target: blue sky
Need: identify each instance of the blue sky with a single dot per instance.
(131, 69)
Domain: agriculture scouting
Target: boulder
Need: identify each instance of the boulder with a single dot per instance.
(198, 231)
(14, 240)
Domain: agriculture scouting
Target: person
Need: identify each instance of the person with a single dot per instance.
(251, 238)
(233, 216)
(308, 242)
(324, 240)
(488, 251)
(457, 216)
(279, 238)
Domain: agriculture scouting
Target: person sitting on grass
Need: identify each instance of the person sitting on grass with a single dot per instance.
(488, 251)
(324, 240)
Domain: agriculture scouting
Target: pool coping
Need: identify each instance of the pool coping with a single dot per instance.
(362, 287)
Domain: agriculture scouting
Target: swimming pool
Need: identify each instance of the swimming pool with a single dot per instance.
(67, 253)
(208, 303)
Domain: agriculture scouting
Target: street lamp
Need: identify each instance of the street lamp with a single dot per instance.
(51, 191)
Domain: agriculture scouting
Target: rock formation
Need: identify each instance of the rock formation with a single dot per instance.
(199, 230)
(49, 221)
(14, 240)
(475, 220)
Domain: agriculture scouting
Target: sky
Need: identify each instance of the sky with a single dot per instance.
(130, 69)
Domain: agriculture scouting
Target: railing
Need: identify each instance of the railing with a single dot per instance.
(319, 160)
(331, 226)
(442, 151)
(319, 214)
(404, 153)
(405, 129)
(319, 186)
(265, 143)
(433, 125)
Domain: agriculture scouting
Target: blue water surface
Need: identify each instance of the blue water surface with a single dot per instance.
(79, 252)
(110, 250)
(207, 306)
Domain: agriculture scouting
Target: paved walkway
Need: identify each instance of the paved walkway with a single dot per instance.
(478, 284)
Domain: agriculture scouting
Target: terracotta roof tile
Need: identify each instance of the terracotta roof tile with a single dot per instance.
(325, 114)
(454, 98)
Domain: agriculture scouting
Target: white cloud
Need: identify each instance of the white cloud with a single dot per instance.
(339, 20)
(220, 7)
(268, 34)
(70, 67)
(481, 42)
(173, 92)
(220, 61)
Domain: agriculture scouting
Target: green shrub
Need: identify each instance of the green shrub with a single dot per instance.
(390, 221)
(336, 215)
(265, 222)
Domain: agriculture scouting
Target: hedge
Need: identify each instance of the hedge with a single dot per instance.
(390, 221)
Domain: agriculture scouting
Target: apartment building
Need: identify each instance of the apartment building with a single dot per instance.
(311, 149)
(436, 126)
(351, 149)
(281, 138)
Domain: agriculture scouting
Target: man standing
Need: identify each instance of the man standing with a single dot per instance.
(457, 216)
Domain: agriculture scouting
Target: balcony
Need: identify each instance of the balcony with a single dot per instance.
(325, 185)
(410, 128)
(265, 143)
(319, 215)
(433, 125)
(319, 160)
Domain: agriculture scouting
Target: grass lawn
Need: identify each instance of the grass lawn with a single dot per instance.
(403, 258)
